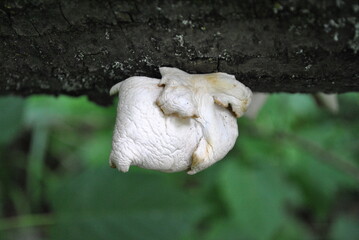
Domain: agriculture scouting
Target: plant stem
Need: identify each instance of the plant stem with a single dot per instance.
(33, 220)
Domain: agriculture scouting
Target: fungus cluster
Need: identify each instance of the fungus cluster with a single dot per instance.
(179, 122)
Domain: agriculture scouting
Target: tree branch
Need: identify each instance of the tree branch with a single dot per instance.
(83, 47)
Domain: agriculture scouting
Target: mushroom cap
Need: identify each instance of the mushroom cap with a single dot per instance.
(224, 88)
(181, 122)
(144, 136)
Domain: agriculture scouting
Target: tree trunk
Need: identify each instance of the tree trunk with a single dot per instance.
(83, 47)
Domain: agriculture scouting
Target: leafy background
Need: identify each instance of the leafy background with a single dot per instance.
(292, 175)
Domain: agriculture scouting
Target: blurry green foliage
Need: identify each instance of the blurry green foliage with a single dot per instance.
(345, 227)
(101, 204)
(289, 177)
(256, 197)
(10, 118)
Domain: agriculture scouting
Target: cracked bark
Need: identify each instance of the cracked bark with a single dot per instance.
(62, 14)
(83, 47)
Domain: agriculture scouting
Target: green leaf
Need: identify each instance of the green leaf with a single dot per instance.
(319, 182)
(293, 230)
(255, 199)
(105, 204)
(285, 111)
(11, 118)
(225, 230)
(51, 110)
(345, 227)
(228, 230)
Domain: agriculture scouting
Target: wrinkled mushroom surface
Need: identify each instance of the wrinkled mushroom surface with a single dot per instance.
(180, 122)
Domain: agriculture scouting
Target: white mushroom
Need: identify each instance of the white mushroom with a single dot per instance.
(181, 122)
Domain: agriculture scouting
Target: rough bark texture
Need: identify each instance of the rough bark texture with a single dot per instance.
(83, 47)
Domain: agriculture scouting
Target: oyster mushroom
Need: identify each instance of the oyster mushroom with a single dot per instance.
(180, 122)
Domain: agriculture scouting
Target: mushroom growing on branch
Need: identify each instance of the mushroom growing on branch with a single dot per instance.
(180, 122)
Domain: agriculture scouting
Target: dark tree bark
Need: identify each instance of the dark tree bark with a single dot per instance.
(83, 47)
